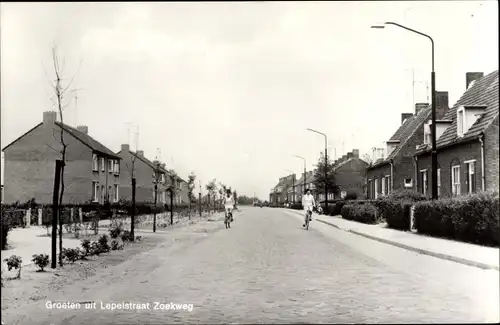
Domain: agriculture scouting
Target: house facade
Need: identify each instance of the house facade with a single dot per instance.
(146, 173)
(467, 142)
(395, 169)
(91, 172)
(283, 192)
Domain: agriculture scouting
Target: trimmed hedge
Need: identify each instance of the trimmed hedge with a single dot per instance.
(365, 213)
(297, 206)
(395, 208)
(471, 218)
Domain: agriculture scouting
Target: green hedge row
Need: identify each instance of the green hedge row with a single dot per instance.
(469, 218)
(365, 213)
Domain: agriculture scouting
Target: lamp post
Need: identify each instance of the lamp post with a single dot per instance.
(326, 166)
(304, 159)
(433, 96)
(293, 184)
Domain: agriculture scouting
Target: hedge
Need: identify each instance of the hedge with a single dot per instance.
(395, 208)
(365, 213)
(469, 218)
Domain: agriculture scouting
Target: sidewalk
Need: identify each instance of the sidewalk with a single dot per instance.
(459, 252)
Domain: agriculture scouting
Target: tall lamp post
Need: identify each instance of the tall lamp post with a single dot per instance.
(433, 96)
(304, 159)
(293, 184)
(326, 166)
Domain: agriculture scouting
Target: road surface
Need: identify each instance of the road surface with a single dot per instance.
(268, 269)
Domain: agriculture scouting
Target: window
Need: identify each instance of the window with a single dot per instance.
(470, 176)
(439, 181)
(116, 193)
(116, 167)
(383, 185)
(375, 190)
(110, 193)
(408, 182)
(455, 180)
(460, 121)
(110, 165)
(162, 178)
(425, 183)
(369, 189)
(428, 133)
(103, 166)
(103, 193)
(95, 191)
(95, 163)
(163, 197)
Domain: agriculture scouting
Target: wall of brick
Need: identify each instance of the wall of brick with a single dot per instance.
(351, 177)
(30, 167)
(491, 152)
(447, 158)
(376, 173)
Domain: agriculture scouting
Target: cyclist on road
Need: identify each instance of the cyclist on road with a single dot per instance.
(229, 204)
(308, 203)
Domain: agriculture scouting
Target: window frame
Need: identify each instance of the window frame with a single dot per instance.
(455, 183)
(95, 163)
(103, 164)
(116, 192)
(95, 190)
(471, 184)
(461, 121)
(425, 181)
(111, 165)
(439, 181)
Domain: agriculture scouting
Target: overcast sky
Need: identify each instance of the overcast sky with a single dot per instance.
(226, 90)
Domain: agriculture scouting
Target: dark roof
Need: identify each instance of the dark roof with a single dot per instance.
(88, 140)
(484, 92)
(404, 133)
(145, 160)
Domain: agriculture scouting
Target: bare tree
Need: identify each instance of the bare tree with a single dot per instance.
(60, 92)
(368, 159)
(211, 187)
(173, 190)
(157, 178)
(191, 186)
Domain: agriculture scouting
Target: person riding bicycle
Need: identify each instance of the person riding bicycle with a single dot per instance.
(229, 204)
(308, 203)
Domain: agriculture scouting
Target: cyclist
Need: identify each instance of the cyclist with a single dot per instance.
(229, 204)
(308, 203)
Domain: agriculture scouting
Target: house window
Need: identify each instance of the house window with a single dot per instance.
(95, 162)
(376, 188)
(162, 178)
(408, 182)
(110, 193)
(117, 167)
(116, 193)
(439, 181)
(95, 191)
(470, 176)
(103, 166)
(460, 122)
(425, 183)
(427, 133)
(455, 180)
(103, 193)
(163, 197)
(110, 165)
(383, 185)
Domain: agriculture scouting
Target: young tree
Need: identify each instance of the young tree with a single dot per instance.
(60, 90)
(157, 178)
(191, 186)
(319, 176)
(211, 187)
(173, 189)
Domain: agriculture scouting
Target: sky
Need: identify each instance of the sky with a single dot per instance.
(227, 89)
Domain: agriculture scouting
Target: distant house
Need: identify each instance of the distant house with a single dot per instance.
(350, 175)
(397, 170)
(301, 186)
(91, 172)
(467, 142)
(147, 173)
(281, 194)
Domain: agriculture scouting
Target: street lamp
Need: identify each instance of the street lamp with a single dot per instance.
(293, 183)
(326, 166)
(304, 159)
(433, 96)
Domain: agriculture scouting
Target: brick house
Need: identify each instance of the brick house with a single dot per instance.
(309, 184)
(397, 170)
(146, 172)
(467, 142)
(91, 172)
(280, 194)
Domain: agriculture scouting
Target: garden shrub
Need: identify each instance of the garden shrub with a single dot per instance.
(126, 236)
(41, 260)
(351, 196)
(86, 245)
(396, 206)
(6, 226)
(365, 213)
(114, 232)
(115, 245)
(71, 254)
(469, 218)
(103, 243)
(14, 262)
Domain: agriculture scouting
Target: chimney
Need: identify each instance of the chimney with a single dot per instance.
(140, 153)
(420, 106)
(83, 129)
(471, 77)
(355, 153)
(49, 117)
(350, 155)
(405, 116)
(125, 148)
(442, 104)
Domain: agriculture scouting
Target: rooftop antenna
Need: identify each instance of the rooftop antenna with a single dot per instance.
(76, 104)
(137, 139)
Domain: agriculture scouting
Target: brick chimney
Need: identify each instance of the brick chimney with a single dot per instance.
(472, 76)
(140, 153)
(49, 117)
(350, 155)
(420, 106)
(125, 148)
(355, 153)
(404, 116)
(83, 129)
(442, 104)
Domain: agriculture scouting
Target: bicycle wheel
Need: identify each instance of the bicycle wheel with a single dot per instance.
(307, 221)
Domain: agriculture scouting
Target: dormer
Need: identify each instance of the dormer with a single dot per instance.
(467, 116)
(391, 145)
(441, 126)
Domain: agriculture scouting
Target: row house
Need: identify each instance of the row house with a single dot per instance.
(301, 186)
(91, 173)
(350, 175)
(283, 191)
(393, 167)
(467, 142)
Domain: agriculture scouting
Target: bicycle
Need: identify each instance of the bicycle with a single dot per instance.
(308, 219)
(228, 219)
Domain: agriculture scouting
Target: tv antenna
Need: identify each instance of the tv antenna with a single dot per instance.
(76, 103)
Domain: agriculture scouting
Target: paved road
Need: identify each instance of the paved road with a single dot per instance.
(267, 269)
